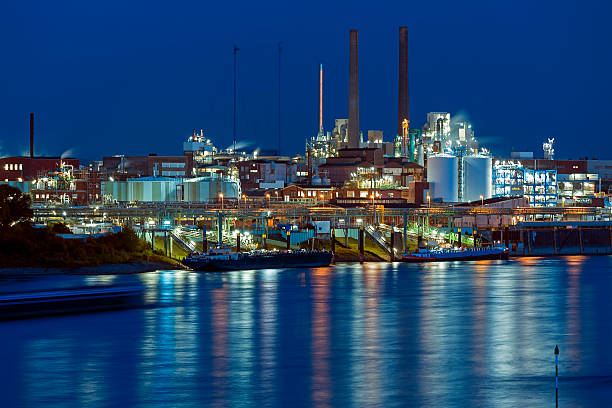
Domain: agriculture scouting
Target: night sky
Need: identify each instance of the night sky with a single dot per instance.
(131, 77)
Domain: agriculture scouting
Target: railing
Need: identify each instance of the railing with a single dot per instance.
(162, 210)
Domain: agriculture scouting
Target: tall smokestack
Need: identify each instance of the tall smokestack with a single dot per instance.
(31, 134)
(402, 106)
(321, 99)
(353, 125)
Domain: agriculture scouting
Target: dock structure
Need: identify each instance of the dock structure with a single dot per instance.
(525, 230)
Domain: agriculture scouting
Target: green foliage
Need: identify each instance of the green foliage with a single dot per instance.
(26, 246)
(14, 207)
(60, 228)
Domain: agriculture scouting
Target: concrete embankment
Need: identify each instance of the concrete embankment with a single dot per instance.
(562, 238)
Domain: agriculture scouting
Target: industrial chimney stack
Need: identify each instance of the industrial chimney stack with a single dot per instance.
(321, 99)
(31, 135)
(402, 106)
(353, 125)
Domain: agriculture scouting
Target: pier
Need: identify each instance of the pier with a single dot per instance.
(527, 231)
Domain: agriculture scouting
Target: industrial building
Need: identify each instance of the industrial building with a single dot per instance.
(171, 189)
(122, 167)
(513, 179)
(440, 162)
(21, 168)
(266, 174)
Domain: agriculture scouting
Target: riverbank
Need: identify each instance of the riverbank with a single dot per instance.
(28, 251)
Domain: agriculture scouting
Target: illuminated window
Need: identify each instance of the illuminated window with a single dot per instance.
(20, 166)
(11, 166)
(5, 166)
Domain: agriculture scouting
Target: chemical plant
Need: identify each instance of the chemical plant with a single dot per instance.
(434, 177)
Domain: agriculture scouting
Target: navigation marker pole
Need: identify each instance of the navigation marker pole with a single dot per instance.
(556, 376)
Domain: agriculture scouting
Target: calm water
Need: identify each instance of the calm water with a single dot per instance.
(381, 335)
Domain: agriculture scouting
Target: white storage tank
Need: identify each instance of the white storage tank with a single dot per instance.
(207, 189)
(147, 189)
(477, 177)
(443, 177)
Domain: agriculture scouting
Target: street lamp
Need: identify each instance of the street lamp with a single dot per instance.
(481, 201)
(428, 201)
(221, 197)
(268, 197)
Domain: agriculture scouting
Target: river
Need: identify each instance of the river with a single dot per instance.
(463, 334)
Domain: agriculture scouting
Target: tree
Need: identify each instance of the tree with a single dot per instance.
(60, 228)
(14, 206)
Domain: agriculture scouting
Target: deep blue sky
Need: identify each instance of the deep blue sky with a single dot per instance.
(135, 77)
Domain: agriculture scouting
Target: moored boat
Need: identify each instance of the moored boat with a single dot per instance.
(222, 259)
(43, 297)
(459, 254)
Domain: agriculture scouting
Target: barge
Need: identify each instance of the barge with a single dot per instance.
(222, 259)
(47, 300)
(461, 254)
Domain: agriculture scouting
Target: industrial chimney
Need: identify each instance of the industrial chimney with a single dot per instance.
(402, 106)
(353, 125)
(321, 99)
(31, 135)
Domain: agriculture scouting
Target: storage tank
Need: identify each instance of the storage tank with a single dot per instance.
(207, 189)
(443, 177)
(477, 177)
(147, 189)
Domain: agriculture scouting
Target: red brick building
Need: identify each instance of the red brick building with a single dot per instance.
(23, 168)
(264, 174)
(76, 187)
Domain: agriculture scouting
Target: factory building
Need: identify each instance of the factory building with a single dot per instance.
(351, 196)
(54, 180)
(511, 178)
(350, 161)
(575, 181)
(68, 186)
(265, 174)
(123, 167)
(21, 168)
(603, 168)
(170, 189)
(437, 128)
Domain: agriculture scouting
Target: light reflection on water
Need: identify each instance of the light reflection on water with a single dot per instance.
(448, 334)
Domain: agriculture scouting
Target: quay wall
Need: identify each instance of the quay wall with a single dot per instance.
(563, 241)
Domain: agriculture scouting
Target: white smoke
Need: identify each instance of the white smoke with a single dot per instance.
(67, 153)
(460, 116)
(242, 144)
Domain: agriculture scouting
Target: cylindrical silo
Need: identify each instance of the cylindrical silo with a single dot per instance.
(477, 177)
(443, 177)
